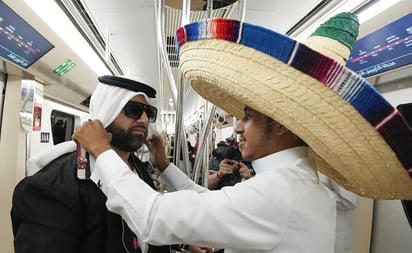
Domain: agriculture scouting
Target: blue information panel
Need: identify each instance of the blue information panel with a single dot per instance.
(387, 48)
(20, 43)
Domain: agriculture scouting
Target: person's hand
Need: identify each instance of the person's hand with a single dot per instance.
(226, 167)
(156, 146)
(93, 137)
(197, 249)
(244, 171)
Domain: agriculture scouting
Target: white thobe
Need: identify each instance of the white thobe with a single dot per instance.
(345, 215)
(283, 208)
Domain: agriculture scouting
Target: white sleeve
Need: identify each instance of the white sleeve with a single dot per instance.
(344, 198)
(175, 180)
(232, 216)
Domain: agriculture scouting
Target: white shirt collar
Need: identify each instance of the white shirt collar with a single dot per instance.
(279, 159)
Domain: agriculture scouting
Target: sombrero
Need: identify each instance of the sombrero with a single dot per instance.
(358, 139)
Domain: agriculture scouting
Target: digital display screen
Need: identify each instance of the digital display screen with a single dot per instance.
(20, 43)
(385, 49)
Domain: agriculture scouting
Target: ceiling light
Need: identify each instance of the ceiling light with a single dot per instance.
(52, 15)
(372, 8)
(375, 9)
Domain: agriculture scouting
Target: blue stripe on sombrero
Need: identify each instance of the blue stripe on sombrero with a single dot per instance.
(273, 44)
(351, 87)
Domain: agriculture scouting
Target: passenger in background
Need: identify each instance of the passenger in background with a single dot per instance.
(228, 173)
(196, 146)
(59, 209)
(190, 151)
(227, 167)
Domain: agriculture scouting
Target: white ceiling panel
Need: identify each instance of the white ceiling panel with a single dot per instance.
(277, 15)
(131, 27)
(118, 4)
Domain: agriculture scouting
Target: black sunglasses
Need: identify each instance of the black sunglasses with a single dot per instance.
(135, 110)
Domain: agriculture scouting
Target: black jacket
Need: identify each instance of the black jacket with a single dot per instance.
(55, 212)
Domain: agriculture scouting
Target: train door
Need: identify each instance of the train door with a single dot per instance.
(58, 123)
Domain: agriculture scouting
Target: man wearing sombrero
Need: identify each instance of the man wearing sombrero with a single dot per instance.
(300, 111)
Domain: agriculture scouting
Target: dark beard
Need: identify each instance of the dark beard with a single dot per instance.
(125, 139)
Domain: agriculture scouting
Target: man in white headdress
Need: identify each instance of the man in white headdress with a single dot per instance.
(58, 209)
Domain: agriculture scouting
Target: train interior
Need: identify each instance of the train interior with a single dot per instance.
(72, 42)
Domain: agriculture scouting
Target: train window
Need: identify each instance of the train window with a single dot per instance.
(62, 125)
(406, 111)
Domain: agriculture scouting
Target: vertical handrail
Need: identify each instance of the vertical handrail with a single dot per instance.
(181, 140)
(209, 8)
(199, 163)
(162, 49)
(166, 65)
(205, 139)
(242, 7)
(185, 12)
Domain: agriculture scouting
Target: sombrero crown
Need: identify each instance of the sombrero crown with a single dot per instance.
(358, 138)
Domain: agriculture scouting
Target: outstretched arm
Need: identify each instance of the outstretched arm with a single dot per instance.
(93, 137)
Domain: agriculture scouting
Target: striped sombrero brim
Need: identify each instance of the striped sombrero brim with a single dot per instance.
(359, 139)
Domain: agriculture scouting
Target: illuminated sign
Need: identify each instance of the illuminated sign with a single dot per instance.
(20, 43)
(385, 49)
(65, 67)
